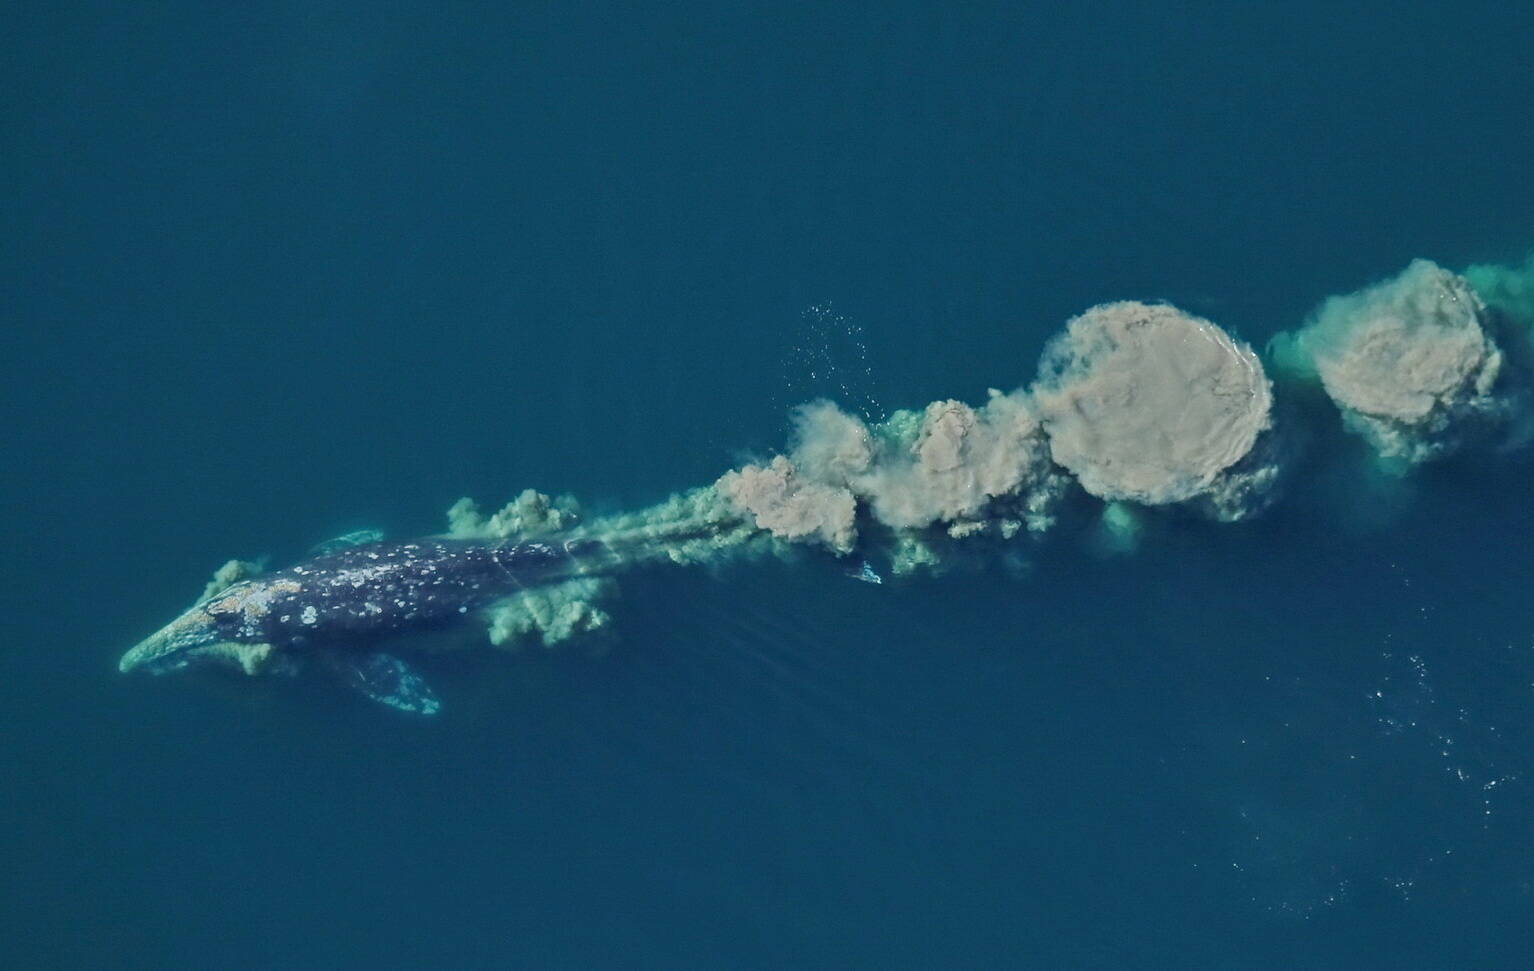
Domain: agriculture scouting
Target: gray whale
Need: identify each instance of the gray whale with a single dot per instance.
(340, 607)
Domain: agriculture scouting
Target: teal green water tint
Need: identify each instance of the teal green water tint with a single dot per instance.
(278, 272)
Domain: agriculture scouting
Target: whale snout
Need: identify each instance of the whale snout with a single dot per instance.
(173, 646)
(195, 638)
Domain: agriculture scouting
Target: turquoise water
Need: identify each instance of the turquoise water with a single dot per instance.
(275, 273)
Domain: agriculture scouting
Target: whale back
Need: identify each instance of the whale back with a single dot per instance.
(384, 588)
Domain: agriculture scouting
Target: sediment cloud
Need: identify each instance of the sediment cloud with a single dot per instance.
(1412, 363)
(1146, 403)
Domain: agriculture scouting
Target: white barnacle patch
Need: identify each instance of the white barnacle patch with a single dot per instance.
(310, 615)
(361, 576)
(252, 601)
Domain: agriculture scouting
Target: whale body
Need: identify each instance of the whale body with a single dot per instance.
(340, 607)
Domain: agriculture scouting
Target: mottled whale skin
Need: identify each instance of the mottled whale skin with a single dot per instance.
(383, 588)
(339, 606)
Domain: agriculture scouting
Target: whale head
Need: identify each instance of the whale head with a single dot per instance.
(209, 634)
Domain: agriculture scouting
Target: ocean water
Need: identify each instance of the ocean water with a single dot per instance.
(274, 272)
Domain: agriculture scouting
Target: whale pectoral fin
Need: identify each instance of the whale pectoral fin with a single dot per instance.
(385, 679)
(359, 537)
(865, 572)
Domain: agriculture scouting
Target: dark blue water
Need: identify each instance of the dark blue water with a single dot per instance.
(275, 272)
